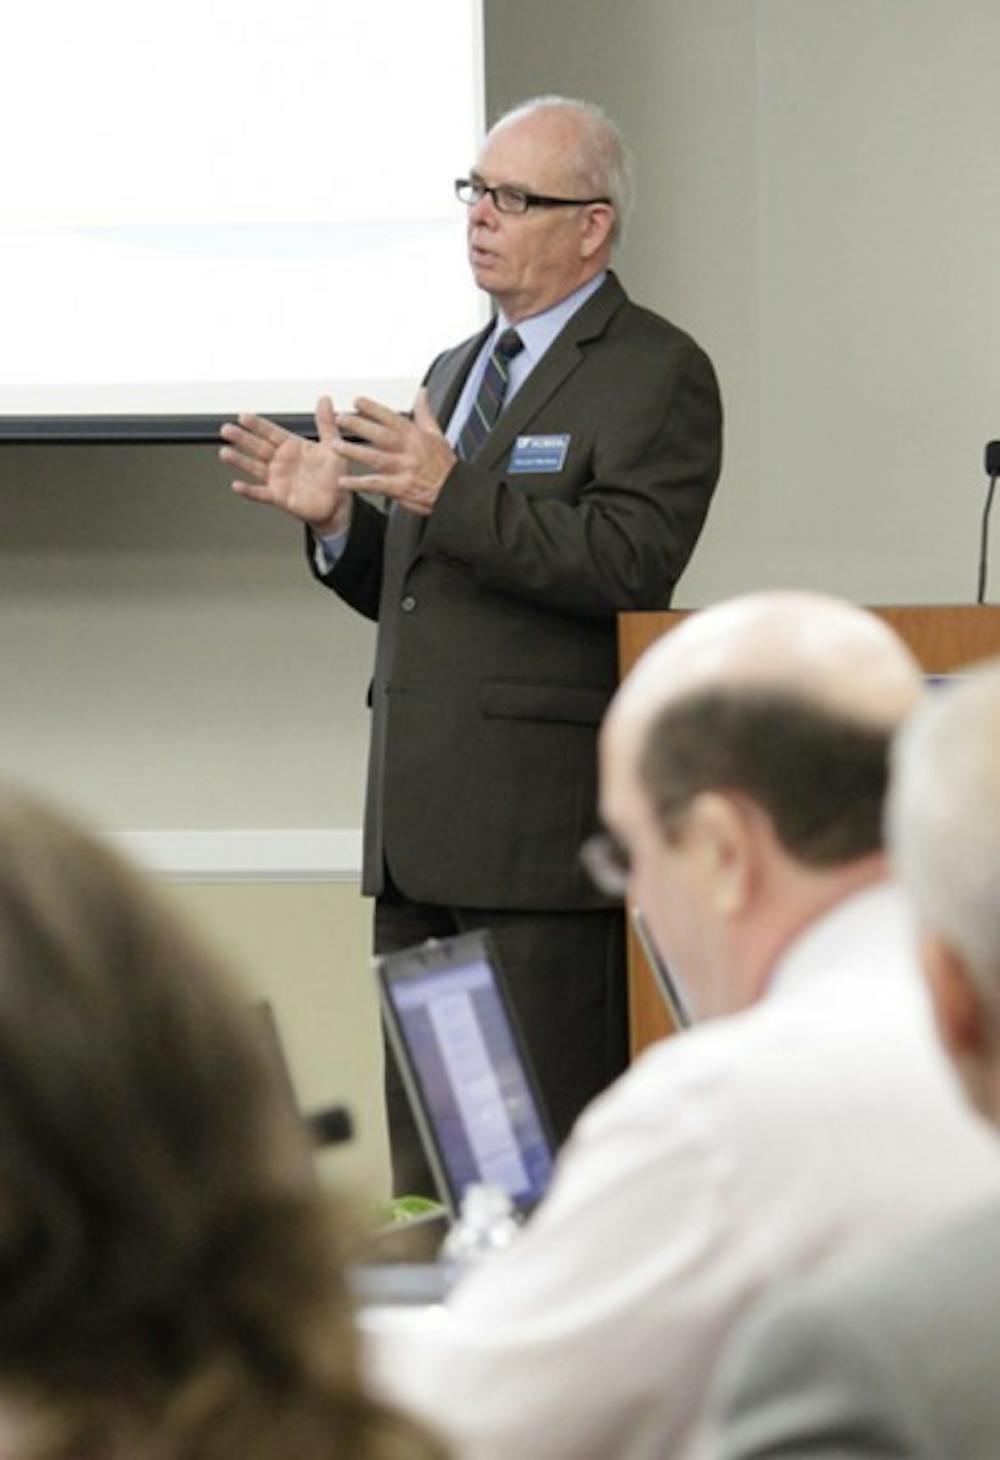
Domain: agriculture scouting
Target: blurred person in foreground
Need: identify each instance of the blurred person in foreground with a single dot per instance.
(894, 1353)
(171, 1279)
(743, 766)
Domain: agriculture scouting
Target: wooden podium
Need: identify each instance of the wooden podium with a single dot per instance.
(943, 637)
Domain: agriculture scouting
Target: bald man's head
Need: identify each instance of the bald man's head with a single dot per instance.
(791, 696)
(747, 751)
(822, 650)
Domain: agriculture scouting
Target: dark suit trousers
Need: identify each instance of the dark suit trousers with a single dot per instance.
(565, 972)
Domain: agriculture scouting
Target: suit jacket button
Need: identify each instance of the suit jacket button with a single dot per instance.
(408, 604)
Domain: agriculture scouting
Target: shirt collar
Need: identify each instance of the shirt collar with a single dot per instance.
(538, 332)
(870, 934)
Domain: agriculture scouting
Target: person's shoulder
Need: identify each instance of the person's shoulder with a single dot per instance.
(641, 320)
(627, 341)
(948, 1269)
(802, 1370)
(899, 1337)
(779, 1064)
(944, 1278)
(681, 1074)
(637, 321)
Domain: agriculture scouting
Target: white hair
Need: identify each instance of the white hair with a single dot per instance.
(943, 819)
(602, 162)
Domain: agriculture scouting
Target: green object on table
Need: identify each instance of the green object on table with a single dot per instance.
(403, 1209)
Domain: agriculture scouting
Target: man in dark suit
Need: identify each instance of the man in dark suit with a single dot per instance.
(893, 1352)
(556, 470)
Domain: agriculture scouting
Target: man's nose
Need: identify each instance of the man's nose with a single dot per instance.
(485, 211)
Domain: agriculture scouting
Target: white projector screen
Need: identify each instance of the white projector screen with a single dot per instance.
(221, 205)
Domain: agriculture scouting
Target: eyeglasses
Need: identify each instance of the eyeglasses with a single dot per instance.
(607, 863)
(469, 190)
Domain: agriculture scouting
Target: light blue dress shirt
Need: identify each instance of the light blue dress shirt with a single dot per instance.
(537, 334)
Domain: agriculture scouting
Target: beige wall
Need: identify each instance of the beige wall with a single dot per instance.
(817, 203)
(166, 664)
(304, 948)
(166, 660)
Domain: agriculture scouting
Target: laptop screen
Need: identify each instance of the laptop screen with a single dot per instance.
(466, 1070)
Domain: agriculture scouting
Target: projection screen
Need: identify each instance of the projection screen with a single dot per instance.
(222, 205)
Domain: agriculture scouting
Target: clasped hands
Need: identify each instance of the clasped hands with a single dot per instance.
(404, 459)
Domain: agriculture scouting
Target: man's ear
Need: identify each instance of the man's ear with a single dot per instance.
(599, 219)
(723, 841)
(960, 1011)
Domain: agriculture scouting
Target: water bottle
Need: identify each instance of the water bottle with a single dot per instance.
(487, 1223)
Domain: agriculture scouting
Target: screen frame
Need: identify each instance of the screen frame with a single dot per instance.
(188, 404)
(132, 430)
(399, 967)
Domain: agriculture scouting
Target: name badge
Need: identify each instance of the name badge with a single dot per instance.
(538, 454)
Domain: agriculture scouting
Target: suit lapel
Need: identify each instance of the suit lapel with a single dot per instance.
(556, 365)
(445, 385)
(560, 360)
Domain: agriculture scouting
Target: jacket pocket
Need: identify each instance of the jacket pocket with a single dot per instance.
(565, 704)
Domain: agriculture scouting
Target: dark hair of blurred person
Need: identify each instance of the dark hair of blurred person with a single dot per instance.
(171, 1278)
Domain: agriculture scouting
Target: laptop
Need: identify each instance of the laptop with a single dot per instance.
(463, 1060)
(474, 1098)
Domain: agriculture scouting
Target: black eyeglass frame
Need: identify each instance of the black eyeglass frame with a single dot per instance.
(526, 200)
(609, 866)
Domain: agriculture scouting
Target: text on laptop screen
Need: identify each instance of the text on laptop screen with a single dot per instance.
(483, 1110)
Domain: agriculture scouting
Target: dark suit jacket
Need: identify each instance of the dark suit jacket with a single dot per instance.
(883, 1356)
(497, 641)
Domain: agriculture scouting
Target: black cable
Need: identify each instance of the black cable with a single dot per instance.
(984, 541)
(331, 1126)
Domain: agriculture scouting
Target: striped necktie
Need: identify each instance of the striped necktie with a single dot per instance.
(489, 398)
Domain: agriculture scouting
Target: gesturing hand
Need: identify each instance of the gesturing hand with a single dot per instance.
(303, 478)
(404, 459)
